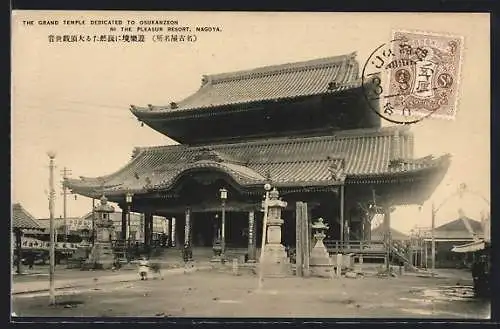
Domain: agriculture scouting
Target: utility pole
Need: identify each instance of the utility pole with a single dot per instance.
(93, 221)
(267, 188)
(433, 240)
(52, 155)
(65, 172)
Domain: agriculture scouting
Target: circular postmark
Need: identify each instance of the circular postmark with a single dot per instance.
(404, 83)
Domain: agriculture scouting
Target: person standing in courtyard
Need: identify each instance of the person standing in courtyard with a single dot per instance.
(143, 268)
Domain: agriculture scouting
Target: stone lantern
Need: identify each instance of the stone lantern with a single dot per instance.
(320, 261)
(102, 255)
(275, 262)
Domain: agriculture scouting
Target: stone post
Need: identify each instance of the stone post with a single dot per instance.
(275, 262)
(338, 271)
(320, 263)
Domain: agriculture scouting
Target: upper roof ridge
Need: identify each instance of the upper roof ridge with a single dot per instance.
(278, 68)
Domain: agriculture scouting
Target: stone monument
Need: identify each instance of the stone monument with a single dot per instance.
(102, 255)
(275, 262)
(320, 263)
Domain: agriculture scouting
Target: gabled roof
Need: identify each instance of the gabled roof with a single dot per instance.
(458, 225)
(378, 234)
(269, 83)
(311, 161)
(457, 230)
(22, 219)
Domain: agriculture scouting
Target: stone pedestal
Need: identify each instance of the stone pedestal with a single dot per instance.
(275, 262)
(102, 255)
(320, 263)
(217, 250)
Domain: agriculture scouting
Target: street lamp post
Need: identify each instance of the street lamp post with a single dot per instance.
(223, 198)
(52, 297)
(128, 200)
(433, 239)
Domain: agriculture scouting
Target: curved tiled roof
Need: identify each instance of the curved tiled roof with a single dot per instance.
(21, 219)
(277, 82)
(285, 161)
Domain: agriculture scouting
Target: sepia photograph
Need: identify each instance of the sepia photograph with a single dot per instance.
(170, 164)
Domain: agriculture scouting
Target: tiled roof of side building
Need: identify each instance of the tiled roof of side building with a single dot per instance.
(285, 161)
(277, 82)
(458, 225)
(22, 219)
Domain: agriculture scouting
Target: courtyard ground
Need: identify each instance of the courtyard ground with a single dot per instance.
(216, 292)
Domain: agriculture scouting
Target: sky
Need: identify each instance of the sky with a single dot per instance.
(74, 98)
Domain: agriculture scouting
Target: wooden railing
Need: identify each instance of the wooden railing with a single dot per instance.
(353, 245)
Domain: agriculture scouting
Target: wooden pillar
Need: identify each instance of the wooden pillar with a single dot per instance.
(187, 227)
(151, 221)
(387, 229)
(215, 234)
(124, 223)
(308, 229)
(367, 228)
(167, 230)
(341, 206)
(308, 245)
(300, 217)
(174, 232)
(425, 254)
(252, 240)
(147, 219)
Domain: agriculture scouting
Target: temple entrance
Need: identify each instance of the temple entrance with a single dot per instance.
(205, 227)
(237, 230)
(288, 229)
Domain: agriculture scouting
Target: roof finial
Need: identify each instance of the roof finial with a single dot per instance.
(104, 200)
(204, 80)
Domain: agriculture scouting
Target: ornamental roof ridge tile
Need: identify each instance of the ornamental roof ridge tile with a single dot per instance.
(280, 68)
(351, 133)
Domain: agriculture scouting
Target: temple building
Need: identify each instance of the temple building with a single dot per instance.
(305, 128)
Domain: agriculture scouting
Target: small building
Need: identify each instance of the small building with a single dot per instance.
(21, 220)
(62, 227)
(449, 235)
(136, 226)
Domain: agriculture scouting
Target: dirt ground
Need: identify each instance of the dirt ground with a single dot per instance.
(218, 293)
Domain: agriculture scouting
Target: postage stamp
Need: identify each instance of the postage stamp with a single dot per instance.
(415, 75)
